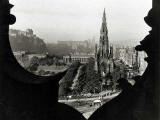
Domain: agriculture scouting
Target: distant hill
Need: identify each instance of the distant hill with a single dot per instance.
(26, 42)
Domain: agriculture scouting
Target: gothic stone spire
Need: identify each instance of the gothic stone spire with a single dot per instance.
(104, 43)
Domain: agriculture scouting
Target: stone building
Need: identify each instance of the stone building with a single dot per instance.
(104, 54)
(81, 51)
(28, 32)
(112, 64)
(81, 58)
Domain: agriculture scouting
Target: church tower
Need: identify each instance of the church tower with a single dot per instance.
(103, 42)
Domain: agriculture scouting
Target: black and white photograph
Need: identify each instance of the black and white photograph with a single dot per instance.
(79, 59)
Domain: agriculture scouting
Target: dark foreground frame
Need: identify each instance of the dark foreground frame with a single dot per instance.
(27, 96)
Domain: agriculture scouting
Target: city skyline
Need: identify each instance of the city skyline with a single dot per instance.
(57, 20)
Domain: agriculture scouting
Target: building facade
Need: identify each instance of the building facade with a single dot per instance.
(81, 58)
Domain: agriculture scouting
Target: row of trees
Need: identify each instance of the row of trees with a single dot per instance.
(67, 81)
(48, 60)
(88, 80)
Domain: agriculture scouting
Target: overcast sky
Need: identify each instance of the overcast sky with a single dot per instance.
(55, 20)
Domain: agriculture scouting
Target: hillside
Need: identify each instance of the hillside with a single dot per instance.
(27, 43)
